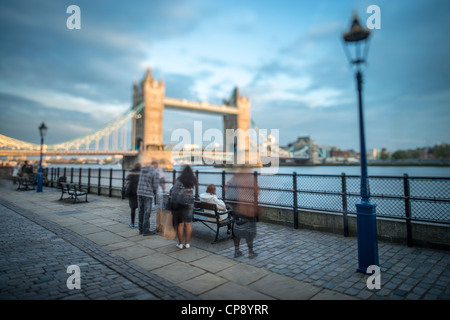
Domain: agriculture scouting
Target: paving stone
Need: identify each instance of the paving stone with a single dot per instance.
(284, 288)
(132, 252)
(178, 272)
(154, 261)
(237, 291)
(242, 273)
(202, 283)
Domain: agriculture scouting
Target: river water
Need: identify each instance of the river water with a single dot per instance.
(413, 171)
(318, 187)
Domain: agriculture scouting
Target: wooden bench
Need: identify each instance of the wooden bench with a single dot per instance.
(27, 184)
(73, 191)
(213, 218)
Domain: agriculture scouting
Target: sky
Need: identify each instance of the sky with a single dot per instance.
(286, 56)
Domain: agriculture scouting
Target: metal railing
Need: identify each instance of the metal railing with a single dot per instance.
(425, 199)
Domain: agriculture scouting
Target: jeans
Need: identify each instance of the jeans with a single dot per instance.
(145, 210)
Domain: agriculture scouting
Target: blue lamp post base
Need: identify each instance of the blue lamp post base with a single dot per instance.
(40, 180)
(367, 235)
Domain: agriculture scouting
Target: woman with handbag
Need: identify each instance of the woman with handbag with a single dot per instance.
(183, 196)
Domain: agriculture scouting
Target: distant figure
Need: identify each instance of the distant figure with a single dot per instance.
(27, 171)
(182, 192)
(162, 180)
(147, 191)
(242, 189)
(210, 196)
(132, 182)
(16, 173)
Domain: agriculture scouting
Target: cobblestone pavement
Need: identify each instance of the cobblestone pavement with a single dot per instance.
(40, 236)
(330, 261)
(35, 260)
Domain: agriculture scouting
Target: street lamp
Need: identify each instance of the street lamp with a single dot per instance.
(42, 130)
(356, 48)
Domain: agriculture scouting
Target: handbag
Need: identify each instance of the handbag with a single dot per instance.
(240, 220)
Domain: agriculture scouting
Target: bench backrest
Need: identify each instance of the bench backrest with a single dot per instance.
(198, 205)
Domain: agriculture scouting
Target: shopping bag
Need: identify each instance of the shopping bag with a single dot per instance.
(165, 224)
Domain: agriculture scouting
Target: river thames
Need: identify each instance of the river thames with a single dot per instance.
(414, 171)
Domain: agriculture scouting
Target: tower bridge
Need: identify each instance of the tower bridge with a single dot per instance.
(146, 117)
(147, 136)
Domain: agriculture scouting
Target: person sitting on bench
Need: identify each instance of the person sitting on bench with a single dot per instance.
(27, 171)
(210, 197)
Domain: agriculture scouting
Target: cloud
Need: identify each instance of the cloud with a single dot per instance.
(25, 115)
(287, 57)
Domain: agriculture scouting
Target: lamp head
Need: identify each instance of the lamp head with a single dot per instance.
(356, 42)
(356, 32)
(42, 129)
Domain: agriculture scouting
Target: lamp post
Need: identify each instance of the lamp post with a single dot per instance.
(356, 47)
(42, 131)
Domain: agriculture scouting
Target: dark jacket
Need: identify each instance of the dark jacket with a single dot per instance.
(132, 181)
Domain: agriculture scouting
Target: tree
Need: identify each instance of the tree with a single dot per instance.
(441, 151)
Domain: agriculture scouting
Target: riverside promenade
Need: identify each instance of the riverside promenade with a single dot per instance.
(41, 236)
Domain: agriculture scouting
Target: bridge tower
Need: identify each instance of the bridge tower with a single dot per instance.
(239, 121)
(147, 125)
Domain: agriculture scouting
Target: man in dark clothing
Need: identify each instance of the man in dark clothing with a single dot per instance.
(131, 191)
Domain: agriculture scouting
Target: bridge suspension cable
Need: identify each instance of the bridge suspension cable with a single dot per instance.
(102, 133)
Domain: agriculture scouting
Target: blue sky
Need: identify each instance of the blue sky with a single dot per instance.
(287, 56)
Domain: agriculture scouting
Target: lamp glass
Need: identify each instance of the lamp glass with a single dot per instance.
(43, 129)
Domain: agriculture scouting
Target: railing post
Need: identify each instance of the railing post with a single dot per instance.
(99, 178)
(71, 175)
(174, 176)
(295, 195)
(123, 183)
(51, 178)
(89, 181)
(344, 203)
(255, 194)
(79, 177)
(110, 181)
(223, 185)
(406, 188)
(196, 186)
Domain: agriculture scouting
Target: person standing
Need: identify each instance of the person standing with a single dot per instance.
(147, 191)
(162, 180)
(16, 172)
(243, 189)
(131, 191)
(183, 215)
